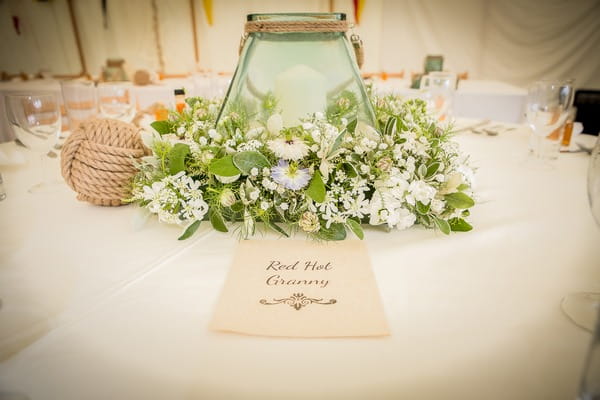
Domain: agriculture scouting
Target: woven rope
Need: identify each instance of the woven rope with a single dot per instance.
(296, 26)
(303, 26)
(97, 160)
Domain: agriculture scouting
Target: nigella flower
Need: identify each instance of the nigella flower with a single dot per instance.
(290, 148)
(290, 176)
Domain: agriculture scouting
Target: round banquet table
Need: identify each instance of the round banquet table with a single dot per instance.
(98, 305)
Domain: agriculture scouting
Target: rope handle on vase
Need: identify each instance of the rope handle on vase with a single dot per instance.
(305, 26)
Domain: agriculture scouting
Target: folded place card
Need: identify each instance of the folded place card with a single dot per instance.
(297, 288)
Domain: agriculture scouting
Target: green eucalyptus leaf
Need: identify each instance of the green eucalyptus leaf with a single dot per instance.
(316, 188)
(355, 228)
(276, 228)
(216, 220)
(350, 170)
(443, 225)
(432, 169)
(459, 200)
(390, 127)
(335, 232)
(190, 230)
(337, 143)
(162, 127)
(351, 127)
(459, 225)
(224, 167)
(177, 158)
(238, 206)
(246, 160)
(422, 208)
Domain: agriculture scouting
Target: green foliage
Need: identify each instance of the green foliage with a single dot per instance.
(316, 188)
(190, 230)
(177, 158)
(223, 167)
(246, 160)
(459, 200)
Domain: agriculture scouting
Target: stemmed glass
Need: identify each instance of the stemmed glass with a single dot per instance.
(35, 120)
(116, 100)
(546, 111)
(582, 307)
(80, 101)
(439, 88)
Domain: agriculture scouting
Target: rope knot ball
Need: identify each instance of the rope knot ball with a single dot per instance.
(97, 160)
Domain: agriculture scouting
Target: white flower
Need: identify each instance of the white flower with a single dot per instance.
(212, 133)
(437, 206)
(284, 206)
(290, 176)
(402, 219)
(275, 124)
(421, 191)
(309, 222)
(452, 184)
(149, 137)
(319, 115)
(227, 198)
(288, 149)
(265, 205)
(254, 133)
(254, 171)
(248, 192)
(181, 130)
(357, 206)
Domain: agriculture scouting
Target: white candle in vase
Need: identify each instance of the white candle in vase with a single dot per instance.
(300, 91)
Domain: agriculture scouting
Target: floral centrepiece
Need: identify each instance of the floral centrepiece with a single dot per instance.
(325, 176)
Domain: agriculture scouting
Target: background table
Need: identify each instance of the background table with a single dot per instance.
(145, 96)
(95, 306)
(473, 98)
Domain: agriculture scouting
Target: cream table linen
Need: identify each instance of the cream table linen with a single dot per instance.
(95, 307)
(473, 98)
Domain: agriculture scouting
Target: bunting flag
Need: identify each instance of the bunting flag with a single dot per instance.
(208, 10)
(359, 5)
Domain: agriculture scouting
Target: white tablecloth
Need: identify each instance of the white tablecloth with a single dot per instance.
(482, 99)
(145, 96)
(95, 308)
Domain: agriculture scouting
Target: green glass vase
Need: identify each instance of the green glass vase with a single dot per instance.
(292, 66)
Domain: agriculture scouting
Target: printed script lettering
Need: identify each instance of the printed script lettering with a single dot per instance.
(309, 266)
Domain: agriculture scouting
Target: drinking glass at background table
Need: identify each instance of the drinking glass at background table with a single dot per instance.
(35, 120)
(582, 307)
(439, 88)
(589, 388)
(547, 108)
(116, 100)
(80, 101)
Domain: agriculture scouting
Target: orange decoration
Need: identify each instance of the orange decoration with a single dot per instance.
(359, 5)
(208, 10)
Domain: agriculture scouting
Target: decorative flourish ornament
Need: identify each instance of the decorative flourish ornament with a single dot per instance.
(298, 301)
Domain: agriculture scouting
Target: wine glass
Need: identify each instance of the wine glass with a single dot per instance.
(582, 307)
(546, 111)
(116, 100)
(80, 101)
(35, 120)
(439, 88)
